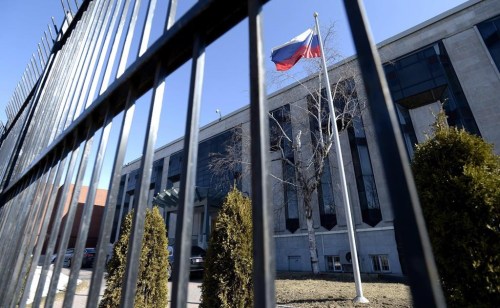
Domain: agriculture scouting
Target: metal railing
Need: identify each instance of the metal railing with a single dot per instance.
(66, 110)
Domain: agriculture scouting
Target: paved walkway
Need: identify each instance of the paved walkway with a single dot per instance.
(80, 299)
(82, 290)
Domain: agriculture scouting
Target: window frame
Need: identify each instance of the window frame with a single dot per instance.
(335, 262)
(381, 262)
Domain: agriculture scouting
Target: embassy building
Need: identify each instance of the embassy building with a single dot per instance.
(453, 58)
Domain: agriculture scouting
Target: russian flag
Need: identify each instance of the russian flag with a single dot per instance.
(306, 45)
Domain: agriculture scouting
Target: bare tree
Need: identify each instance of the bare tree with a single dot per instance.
(305, 146)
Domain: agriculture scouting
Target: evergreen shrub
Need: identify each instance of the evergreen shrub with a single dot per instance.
(458, 181)
(227, 278)
(152, 278)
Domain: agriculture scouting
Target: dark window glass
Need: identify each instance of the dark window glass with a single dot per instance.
(424, 77)
(209, 185)
(156, 175)
(344, 96)
(344, 101)
(281, 123)
(132, 179)
(490, 31)
(407, 130)
(174, 170)
(117, 210)
(365, 181)
(328, 215)
(290, 197)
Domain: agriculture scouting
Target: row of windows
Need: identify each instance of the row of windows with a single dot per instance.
(280, 122)
(379, 264)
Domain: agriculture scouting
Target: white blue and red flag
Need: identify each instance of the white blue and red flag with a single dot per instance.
(306, 45)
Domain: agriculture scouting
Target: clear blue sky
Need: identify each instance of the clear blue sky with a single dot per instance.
(226, 70)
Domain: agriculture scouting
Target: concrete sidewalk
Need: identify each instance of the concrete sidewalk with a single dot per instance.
(82, 290)
(81, 295)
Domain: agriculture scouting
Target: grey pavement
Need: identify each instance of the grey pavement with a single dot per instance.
(80, 299)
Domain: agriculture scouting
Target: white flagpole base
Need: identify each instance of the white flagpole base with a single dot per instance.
(360, 299)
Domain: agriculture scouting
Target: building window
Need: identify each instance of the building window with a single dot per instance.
(116, 220)
(422, 78)
(409, 136)
(210, 185)
(320, 115)
(333, 264)
(327, 209)
(365, 180)
(490, 31)
(380, 263)
(279, 122)
(290, 197)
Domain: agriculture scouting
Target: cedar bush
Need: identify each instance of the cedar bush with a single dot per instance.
(152, 278)
(458, 180)
(227, 280)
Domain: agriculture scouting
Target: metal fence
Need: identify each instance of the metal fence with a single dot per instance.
(71, 91)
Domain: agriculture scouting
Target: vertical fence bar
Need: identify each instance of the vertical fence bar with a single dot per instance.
(34, 77)
(109, 210)
(30, 233)
(50, 43)
(26, 88)
(69, 7)
(7, 237)
(264, 267)
(141, 194)
(60, 76)
(36, 131)
(7, 232)
(410, 224)
(66, 70)
(87, 65)
(56, 31)
(15, 251)
(16, 150)
(188, 179)
(128, 39)
(94, 73)
(52, 38)
(70, 216)
(49, 203)
(114, 49)
(37, 64)
(41, 57)
(142, 187)
(111, 34)
(87, 213)
(39, 236)
(147, 27)
(46, 44)
(54, 234)
(89, 20)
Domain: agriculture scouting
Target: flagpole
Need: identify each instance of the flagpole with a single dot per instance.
(350, 229)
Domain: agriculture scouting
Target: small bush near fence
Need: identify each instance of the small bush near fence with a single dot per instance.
(227, 280)
(458, 180)
(152, 280)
